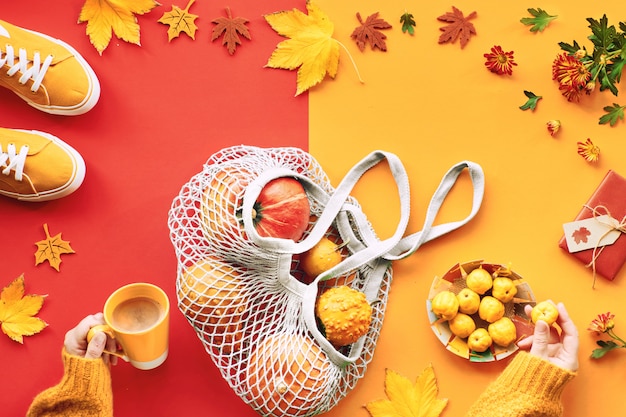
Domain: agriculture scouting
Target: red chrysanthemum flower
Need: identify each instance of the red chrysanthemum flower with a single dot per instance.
(588, 150)
(499, 61)
(603, 323)
(572, 76)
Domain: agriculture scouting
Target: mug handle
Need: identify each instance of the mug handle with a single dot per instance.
(105, 328)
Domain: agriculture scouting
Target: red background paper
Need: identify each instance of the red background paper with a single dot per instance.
(165, 108)
(610, 194)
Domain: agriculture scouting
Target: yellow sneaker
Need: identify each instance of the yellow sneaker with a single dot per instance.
(36, 166)
(45, 72)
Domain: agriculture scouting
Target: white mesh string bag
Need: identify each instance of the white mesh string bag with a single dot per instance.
(242, 291)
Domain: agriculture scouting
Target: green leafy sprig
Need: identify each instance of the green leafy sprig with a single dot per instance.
(532, 101)
(408, 23)
(613, 114)
(540, 20)
(608, 58)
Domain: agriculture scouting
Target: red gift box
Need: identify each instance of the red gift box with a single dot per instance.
(608, 198)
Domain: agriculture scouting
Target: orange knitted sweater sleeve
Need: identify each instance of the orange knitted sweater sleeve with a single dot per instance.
(84, 391)
(528, 386)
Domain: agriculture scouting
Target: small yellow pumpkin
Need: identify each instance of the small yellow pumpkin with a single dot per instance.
(345, 314)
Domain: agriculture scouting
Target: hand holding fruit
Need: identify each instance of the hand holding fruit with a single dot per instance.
(547, 343)
(544, 311)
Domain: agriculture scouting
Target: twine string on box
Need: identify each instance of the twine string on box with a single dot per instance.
(613, 225)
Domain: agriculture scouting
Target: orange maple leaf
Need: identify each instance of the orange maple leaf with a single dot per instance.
(105, 17)
(370, 30)
(17, 311)
(407, 399)
(458, 26)
(231, 28)
(180, 21)
(51, 248)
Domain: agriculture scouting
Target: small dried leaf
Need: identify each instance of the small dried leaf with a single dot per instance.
(17, 311)
(180, 21)
(231, 28)
(458, 27)
(51, 248)
(370, 30)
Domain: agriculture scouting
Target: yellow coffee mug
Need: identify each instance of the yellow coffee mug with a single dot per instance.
(137, 317)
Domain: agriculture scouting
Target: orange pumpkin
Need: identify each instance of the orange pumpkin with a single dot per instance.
(286, 375)
(281, 210)
(211, 293)
(221, 201)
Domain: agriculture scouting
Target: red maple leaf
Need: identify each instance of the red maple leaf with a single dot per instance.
(458, 26)
(581, 234)
(370, 30)
(231, 28)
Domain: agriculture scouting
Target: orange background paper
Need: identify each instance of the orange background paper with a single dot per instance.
(435, 105)
(166, 107)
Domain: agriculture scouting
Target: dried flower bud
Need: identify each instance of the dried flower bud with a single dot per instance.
(581, 53)
(590, 86)
(553, 126)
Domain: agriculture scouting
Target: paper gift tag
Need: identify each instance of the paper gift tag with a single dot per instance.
(590, 233)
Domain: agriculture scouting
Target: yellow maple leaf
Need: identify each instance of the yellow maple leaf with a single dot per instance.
(107, 17)
(51, 248)
(17, 311)
(310, 47)
(180, 21)
(406, 399)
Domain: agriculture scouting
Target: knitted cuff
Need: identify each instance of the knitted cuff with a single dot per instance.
(531, 374)
(90, 376)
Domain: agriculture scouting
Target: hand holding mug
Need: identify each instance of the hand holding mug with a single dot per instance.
(77, 342)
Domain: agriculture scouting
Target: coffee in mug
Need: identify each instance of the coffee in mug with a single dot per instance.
(137, 314)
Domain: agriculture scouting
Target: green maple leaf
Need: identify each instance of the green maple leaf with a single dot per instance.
(613, 114)
(408, 23)
(540, 20)
(531, 103)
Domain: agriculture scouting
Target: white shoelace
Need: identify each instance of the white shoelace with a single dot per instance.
(37, 69)
(12, 161)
